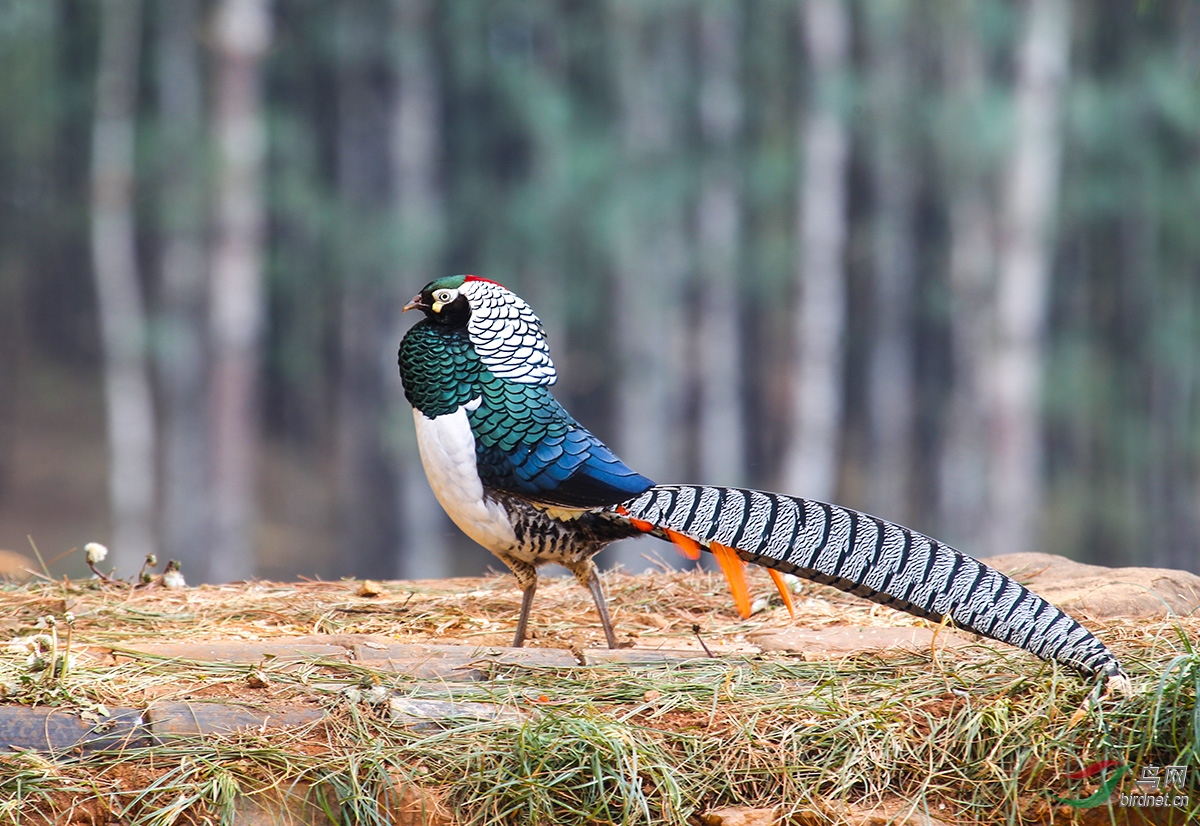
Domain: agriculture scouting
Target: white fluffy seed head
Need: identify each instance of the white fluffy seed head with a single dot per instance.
(95, 552)
(173, 578)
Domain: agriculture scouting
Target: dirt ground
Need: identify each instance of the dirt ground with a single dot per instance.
(460, 629)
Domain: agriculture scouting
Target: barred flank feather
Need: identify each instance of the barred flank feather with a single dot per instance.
(875, 559)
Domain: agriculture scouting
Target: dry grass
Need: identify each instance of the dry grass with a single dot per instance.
(979, 734)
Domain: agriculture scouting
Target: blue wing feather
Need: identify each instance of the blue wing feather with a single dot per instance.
(527, 444)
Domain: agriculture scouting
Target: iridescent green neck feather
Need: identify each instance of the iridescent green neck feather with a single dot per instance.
(439, 368)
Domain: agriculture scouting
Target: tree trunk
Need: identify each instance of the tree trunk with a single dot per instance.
(718, 336)
(130, 405)
(811, 462)
(12, 360)
(1182, 395)
(416, 135)
(891, 396)
(182, 352)
(365, 485)
(241, 33)
(1029, 201)
(963, 485)
(963, 476)
(651, 253)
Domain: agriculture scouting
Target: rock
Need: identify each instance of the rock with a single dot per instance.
(280, 806)
(841, 640)
(735, 816)
(420, 714)
(60, 730)
(889, 813)
(1099, 592)
(174, 718)
(403, 803)
(369, 588)
(410, 804)
(14, 566)
(1085, 591)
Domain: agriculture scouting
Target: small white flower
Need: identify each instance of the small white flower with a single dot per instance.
(95, 552)
(173, 578)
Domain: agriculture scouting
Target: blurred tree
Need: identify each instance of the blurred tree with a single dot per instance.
(416, 165)
(130, 404)
(717, 333)
(1172, 247)
(773, 100)
(306, 257)
(651, 255)
(736, 219)
(10, 361)
(892, 475)
(963, 148)
(1121, 400)
(181, 341)
(29, 56)
(811, 462)
(1027, 213)
(241, 33)
(366, 483)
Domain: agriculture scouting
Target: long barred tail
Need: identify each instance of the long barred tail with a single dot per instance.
(876, 559)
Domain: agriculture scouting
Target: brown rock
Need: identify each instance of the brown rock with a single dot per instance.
(1099, 592)
(15, 566)
(886, 813)
(280, 806)
(406, 804)
(369, 588)
(410, 804)
(841, 640)
(735, 816)
(277, 651)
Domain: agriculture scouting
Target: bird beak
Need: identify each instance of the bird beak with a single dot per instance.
(415, 304)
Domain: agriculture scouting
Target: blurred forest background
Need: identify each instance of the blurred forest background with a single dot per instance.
(938, 261)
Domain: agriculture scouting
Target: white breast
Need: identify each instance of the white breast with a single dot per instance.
(447, 449)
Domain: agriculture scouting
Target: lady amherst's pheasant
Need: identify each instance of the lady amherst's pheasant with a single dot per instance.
(525, 480)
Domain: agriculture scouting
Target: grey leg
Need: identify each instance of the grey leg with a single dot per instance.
(587, 575)
(526, 576)
(523, 620)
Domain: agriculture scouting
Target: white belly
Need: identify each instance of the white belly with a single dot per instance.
(447, 449)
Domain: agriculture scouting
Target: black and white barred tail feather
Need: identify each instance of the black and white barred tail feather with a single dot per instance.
(878, 560)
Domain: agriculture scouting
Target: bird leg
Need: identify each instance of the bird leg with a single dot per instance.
(589, 577)
(523, 620)
(526, 576)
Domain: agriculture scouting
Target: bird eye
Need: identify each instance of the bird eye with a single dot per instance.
(444, 296)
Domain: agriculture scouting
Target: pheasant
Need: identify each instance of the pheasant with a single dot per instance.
(526, 481)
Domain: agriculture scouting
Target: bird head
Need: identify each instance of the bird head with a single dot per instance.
(444, 300)
(504, 330)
